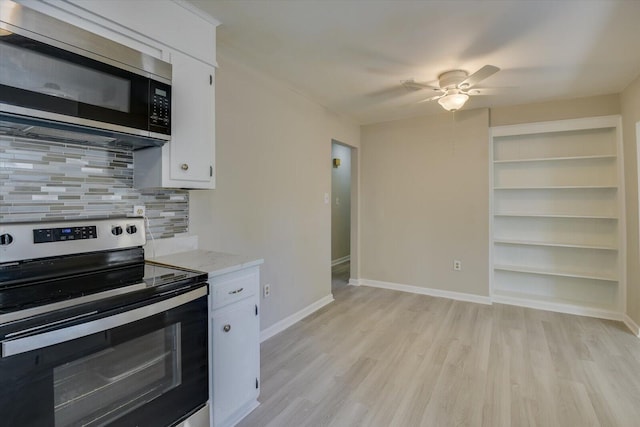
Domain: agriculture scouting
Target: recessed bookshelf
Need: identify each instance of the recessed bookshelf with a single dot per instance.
(556, 223)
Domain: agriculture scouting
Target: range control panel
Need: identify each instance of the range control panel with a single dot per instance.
(23, 241)
(45, 235)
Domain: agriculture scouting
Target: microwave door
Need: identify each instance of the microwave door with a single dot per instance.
(43, 77)
(43, 81)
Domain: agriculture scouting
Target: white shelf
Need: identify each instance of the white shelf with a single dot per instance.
(531, 270)
(554, 184)
(561, 187)
(555, 245)
(533, 215)
(556, 159)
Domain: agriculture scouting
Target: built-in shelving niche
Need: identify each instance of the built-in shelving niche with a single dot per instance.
(557, 223)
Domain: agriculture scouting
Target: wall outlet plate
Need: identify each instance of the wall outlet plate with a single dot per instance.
(266, 290)
(139, 211)
(457, 265)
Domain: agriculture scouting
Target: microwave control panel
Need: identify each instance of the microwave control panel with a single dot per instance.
(160, 107)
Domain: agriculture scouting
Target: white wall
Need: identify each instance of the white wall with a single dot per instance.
(341, 202)
(272, 146)
(630, 102)
(425, 202)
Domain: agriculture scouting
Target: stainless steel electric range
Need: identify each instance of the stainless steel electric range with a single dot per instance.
(92, 335)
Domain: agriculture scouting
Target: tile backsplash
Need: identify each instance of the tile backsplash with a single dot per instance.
(51, 181)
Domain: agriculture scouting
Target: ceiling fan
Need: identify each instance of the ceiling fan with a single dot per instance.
(455, 86)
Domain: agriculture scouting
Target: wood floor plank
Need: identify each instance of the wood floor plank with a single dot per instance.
(378, 357)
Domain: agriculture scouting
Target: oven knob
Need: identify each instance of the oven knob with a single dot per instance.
(132, 229)
(116, 231)
(6, 239)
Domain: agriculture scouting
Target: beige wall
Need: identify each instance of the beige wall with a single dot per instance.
(604, 105)
(341, 202)
(630, 101)
(425, 201)
(272, 146)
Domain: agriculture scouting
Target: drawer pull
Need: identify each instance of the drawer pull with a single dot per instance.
(226, 328)
(237, 291)
(184, 166)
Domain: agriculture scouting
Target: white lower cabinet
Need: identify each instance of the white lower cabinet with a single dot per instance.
(235, 341)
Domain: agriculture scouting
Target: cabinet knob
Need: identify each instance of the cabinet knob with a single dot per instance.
(226, 328)
(184, 166)
(6, 239)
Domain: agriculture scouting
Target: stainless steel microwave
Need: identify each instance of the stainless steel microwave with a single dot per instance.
(57, 79)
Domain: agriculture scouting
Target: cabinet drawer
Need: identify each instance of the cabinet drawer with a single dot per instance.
(232, 287)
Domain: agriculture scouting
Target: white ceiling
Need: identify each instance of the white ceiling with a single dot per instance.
(351, 55)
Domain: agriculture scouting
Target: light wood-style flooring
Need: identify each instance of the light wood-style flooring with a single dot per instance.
(376, 357)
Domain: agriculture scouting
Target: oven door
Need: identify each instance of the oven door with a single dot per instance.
(145, 366)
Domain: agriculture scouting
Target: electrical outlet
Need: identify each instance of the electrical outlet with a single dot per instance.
(139, 210)
(457, 265)
(266, 290)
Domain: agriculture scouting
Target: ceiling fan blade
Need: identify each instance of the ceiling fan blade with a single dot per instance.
(478, 76)
(414, 85)
(433, 98)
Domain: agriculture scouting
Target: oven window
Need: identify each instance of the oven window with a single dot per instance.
(99, 388)
(33, 71)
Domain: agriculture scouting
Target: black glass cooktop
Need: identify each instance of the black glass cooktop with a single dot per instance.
(60, 283)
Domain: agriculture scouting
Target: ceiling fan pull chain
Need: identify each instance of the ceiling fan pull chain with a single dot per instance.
(453, 133)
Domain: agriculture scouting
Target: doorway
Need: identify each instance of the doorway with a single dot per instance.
(341, 201)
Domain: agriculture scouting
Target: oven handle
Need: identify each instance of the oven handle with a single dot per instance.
(46, 339)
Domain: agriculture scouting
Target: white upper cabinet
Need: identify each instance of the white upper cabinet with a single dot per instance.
(174, 31)
(140, 22)
(164, 21)
(188, 160)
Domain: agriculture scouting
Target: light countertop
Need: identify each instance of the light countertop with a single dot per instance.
(214, 263)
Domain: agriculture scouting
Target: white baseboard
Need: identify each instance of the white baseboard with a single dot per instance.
(558, 307)
(283, 324)
(354, 282)
(633, 326)
(459, 296)
(340, 260)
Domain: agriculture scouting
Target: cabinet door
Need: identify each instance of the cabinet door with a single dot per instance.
(162, 21)
(235, 358)
(192, 145)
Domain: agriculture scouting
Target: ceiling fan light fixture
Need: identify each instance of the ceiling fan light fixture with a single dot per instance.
(453, 101)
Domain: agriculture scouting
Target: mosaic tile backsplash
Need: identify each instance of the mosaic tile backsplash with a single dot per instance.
(52, 181)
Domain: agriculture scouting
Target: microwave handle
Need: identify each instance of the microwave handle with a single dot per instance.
(46, 339)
